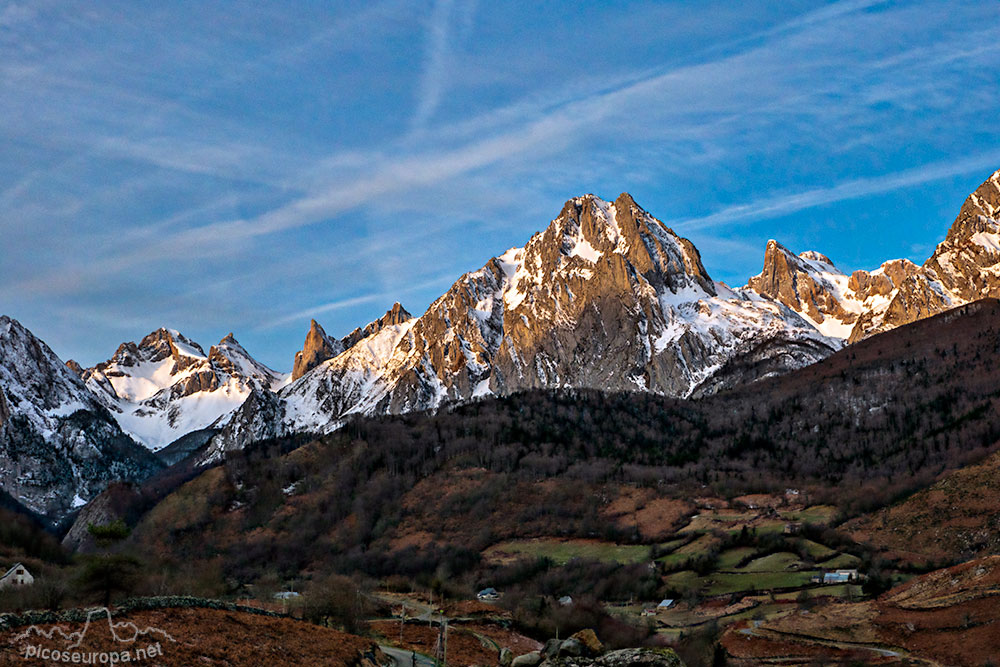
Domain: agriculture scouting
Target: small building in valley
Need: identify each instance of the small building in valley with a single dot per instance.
(840, 577)
(488, 594)
(16, 576)
(792, 528)
(665, 604)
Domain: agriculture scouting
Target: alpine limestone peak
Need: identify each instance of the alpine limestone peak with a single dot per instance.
(606, 296)
(319, 347)
(59, 446)
(964, 267)
(166, 385)
(811, 285)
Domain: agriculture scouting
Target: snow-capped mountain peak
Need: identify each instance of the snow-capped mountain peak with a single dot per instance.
(58, 445)
(963, 268)
(35, 380)
(606, 296)
(810, 284)
(229, 357)
(166, 385)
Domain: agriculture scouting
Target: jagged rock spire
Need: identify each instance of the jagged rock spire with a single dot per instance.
(318, 347)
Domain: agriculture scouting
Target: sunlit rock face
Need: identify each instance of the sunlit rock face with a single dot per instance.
(605, 297)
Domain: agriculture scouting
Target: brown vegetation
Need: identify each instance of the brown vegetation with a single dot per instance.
(213, 637)
(423, 495)
(945, 617)
(955, 519)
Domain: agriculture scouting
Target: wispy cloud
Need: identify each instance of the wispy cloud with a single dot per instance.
(15, 13)
(538, 128)
(288, 154)
(773, 207)
(340, 304)
(432, 81)
(324, 308)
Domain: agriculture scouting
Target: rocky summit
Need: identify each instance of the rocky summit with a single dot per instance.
(59, 446)
(605, 297)
(963, 268)
(319, 347)
(167, 386)
(609, 297)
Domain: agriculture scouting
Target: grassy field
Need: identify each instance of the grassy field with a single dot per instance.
(732, 521)
(842, 562)
(563, 551)
(815, 514)
(721, 583)
(816, 550)
(729, 559)
(673, 544)
(836, 590)
(683, 581)
(698, 547)
(779, 562)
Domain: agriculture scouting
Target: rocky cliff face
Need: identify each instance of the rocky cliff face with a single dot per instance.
(166, 386)
(319, 347)
(812, 286)
(606, 297)
(963, 268)
(395, 315)
(59, 447)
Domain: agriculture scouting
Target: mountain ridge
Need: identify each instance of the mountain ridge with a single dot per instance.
(800, 308)
(606, 296)
(166, 385)
(60, 446)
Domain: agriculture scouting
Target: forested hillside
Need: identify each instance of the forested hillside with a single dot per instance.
(407, 494)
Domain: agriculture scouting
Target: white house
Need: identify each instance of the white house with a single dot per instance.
(488, 595)
(840, 577)
(16, 576)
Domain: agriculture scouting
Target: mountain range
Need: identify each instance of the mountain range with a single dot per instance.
(606, 297)
(166, 386)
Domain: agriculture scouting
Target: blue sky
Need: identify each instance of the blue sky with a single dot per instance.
(217, 167)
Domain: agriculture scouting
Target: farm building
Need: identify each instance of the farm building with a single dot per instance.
(840, 577)
(488, 594)
(792, 528)
(16, 576)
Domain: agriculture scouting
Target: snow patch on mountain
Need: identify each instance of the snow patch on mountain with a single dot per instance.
(167, 386)
(58, 444)
(605, 297)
